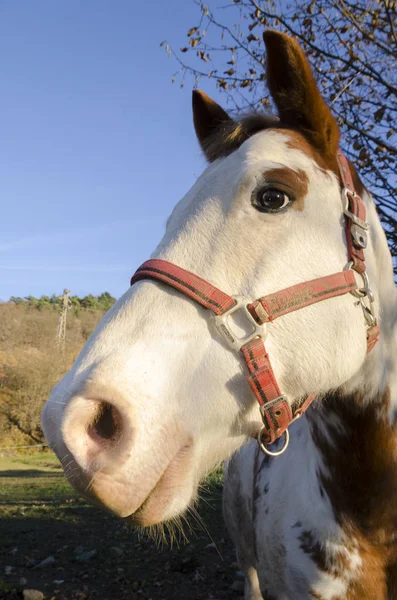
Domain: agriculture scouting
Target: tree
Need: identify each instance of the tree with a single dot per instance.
(106, 301)
(352, 47)
(102, 302)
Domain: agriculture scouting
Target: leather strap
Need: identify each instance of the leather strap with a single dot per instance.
(275, 409)
(373, 333)
(356, 235)
(356, 208)
(276, 412)
(298, 296)
(186, 282)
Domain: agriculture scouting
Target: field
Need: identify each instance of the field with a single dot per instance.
(41, 517)
(31, 363)
(89, 554)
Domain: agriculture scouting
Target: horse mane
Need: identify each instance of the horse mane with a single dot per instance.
(231, 134)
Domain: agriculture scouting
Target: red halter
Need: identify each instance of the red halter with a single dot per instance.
(276, 412)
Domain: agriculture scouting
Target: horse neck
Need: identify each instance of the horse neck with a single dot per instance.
(354, 428)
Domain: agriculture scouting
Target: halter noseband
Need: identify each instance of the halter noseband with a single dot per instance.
(276, 412)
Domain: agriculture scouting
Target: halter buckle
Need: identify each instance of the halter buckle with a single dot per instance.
(354, 218)
(231, 337)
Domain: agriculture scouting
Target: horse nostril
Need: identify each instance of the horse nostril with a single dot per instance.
(106, 423)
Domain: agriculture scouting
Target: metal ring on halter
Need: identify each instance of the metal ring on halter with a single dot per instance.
(269, 452)
(364, 291)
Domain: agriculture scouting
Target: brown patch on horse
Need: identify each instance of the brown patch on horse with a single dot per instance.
(300, 104)
(391, 577)
(294, 183)
(338, 564)
(362, 460)
(296, 95)
(371, 580)
(303, 113)
(360, 479)
(297, 141)
(314, 549)
(227, 137)
(219, 135)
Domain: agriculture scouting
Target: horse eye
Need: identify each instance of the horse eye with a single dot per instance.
(271, 200)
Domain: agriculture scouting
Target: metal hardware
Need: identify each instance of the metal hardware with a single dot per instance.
(359, 236)
(230, 337)
(346, 211)
(368, 313)
(363, 291)
(270, 404)
(297, 416)
(270, 452)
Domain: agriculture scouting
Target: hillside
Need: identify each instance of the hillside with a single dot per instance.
(31, 362)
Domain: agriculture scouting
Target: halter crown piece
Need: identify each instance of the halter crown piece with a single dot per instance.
(276, 412)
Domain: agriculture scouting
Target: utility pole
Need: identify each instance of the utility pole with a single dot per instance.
(61, 333)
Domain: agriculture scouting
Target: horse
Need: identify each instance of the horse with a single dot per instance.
(274, 266)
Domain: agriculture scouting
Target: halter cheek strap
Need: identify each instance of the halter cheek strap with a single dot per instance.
(275, 409)
(276, 412)
(355, 213)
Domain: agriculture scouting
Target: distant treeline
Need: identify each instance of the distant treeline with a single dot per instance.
(102, 302)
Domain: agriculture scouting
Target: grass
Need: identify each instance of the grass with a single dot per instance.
(42, 516)
(33, 479)
(33, 488)
(39, 478)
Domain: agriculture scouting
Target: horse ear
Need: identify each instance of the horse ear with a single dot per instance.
(208, 117)
(295, 92)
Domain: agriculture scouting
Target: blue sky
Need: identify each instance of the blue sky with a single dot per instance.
(97, 144)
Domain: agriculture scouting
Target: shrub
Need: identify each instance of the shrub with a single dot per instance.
(31, 363)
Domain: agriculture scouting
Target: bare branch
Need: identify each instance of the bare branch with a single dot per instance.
(352, 46)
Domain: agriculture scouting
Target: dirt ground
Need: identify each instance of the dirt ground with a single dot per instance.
(94, 556)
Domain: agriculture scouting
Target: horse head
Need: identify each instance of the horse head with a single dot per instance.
(157, 398)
